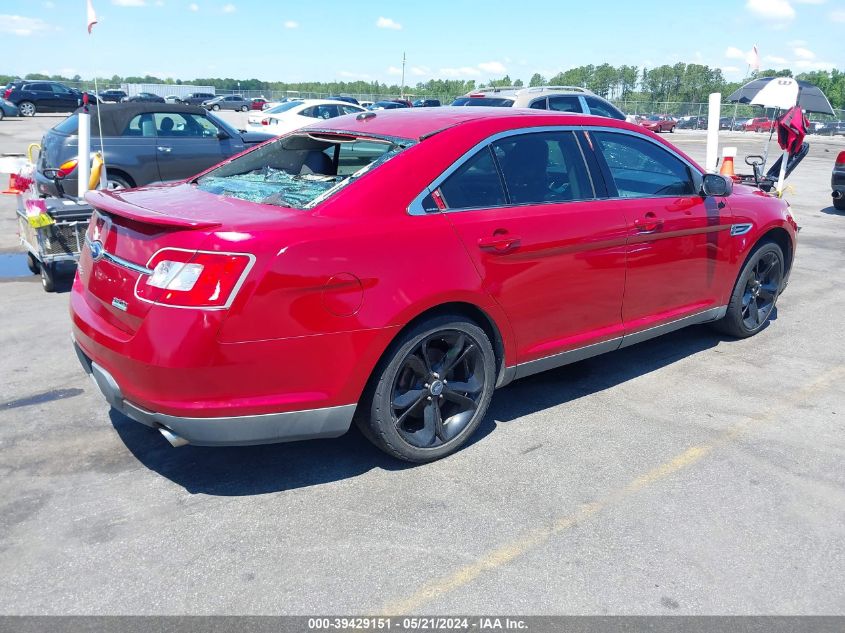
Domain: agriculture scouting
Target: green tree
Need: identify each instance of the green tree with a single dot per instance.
(537, 80)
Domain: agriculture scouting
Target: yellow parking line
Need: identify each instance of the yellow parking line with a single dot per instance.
(534, 538)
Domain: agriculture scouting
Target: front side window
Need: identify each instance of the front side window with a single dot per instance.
(141, 125)
(60, 90)
(179, 125)
(543, 167)
(474, 184)
(601, 108)
(641, 169)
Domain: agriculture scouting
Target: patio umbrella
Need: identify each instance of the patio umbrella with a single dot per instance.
(792, 127)
(782, 93)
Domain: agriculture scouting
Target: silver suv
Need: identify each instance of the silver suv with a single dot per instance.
(558, 98)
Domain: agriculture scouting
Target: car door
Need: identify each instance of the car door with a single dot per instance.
(548, 250)
(187, 144)
(133, 152)
(65, 100)
(678, 249)
(43, 97)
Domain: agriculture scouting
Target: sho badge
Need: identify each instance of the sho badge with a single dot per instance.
(120, 304)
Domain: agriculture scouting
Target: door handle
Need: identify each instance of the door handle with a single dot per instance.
(649, 224)
(164, 150)
(499, 242)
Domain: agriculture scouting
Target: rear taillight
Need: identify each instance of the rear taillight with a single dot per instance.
(66, 168)
(7, 93)
(840, 160)
(265, 121)
(185, 279)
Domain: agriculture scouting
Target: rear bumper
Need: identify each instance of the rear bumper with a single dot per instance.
(224, 431)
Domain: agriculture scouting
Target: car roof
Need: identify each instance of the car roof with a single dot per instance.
(116, 116)
(416, 123)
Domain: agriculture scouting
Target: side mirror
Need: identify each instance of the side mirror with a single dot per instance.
(716, 185)
(222, 136)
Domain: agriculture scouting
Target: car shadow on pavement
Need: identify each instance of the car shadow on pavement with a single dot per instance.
(831, 210)
(253, 470)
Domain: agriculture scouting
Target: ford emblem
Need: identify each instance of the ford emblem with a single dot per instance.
(97, 250)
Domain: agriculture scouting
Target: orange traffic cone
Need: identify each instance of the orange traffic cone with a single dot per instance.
(728, 155)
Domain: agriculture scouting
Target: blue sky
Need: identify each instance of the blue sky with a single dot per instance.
(465, 39)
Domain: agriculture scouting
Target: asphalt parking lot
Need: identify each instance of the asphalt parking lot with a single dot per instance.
(691, 474)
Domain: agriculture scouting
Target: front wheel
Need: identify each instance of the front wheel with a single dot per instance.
(244, 108)
(672, 130)
(215, 107)
(839, 204)
(429, 396)
(755, 293)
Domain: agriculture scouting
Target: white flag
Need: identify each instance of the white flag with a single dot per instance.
(753, 58)
(92, 17)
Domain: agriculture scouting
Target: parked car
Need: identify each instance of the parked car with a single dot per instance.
(726, 122)
(387, 105)
(427, 103)
(837, 182)
(197, 98)
(112, 96)
(292, 115)
(42, 96)
(144, 97)
(171, 301)
(815, 127)
(405, 102)
(228, 102)
(145, 143)
(557, 98)
(351, 100)
(172, 99)
(659, 123)
(692, 123)
(759, 124)
(7, 108)
(833, 128)
(257, 103)
(365, 104)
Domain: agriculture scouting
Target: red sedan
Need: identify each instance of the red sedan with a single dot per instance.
(658, 123)
(258, 103)
(395, 267)
(759, 124)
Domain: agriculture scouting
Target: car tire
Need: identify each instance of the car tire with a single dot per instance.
(33, 264)
(761, 279)
(672, 130)
(48, 277)
(215, 107)
(118, 181)
(409, 410)
(839, 205)
(2, 114)
(244, 109)
(26, 108)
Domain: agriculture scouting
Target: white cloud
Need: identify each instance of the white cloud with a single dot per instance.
(492, 67)
(804, 53)
(229, 8)
(129, 3)
(23, 26)
(420, 71)
(49, 5)
(730, 69)
(194, 7)
(732, 52)
(812, 64)
(462, 71)
(837, 16)
(159, 3)
(392, 70)
(387, 23)
(775, 59)
(774, 10)
(291, 24)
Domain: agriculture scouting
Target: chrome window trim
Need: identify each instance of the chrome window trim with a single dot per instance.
(416, 208)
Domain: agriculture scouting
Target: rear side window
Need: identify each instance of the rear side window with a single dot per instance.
(601, 108)
(69, 126)
(543, 167)
(565, 103)
(38, 87)
(141, 125)
(642, 169)
(492, 102)
(475, 184)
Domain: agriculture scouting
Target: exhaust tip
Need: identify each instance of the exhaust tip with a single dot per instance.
(175, 440)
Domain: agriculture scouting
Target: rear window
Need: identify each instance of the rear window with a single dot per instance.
(69, 126)
(299, 171)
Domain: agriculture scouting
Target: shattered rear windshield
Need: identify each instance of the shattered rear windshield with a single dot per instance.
(300, 171)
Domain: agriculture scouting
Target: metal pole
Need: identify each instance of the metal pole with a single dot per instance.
(83, 158)
(715, 109)
(402, 90)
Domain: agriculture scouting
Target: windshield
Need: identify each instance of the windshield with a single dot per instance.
(301, 170)
(283, 107)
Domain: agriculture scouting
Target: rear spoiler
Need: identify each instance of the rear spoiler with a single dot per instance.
(108, 202)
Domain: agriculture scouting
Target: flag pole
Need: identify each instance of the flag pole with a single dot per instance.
(92, 20)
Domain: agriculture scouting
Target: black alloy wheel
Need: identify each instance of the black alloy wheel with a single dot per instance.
(433, 391)
(755, 293)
